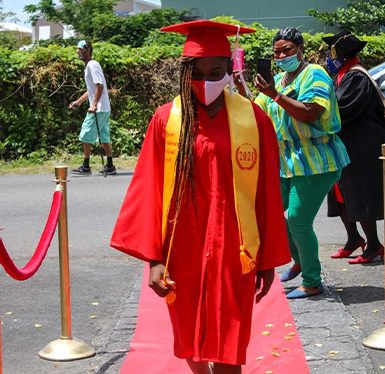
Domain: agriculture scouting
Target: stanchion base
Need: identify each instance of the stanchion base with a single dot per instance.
(376, 340)
(67, 350)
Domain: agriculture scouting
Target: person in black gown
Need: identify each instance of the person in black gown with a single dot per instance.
(358, 196)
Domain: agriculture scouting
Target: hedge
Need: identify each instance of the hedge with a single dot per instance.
(37, 86)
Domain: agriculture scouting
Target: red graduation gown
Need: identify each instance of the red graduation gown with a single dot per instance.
(211, 315)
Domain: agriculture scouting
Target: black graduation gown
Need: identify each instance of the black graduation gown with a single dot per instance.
(362, 132)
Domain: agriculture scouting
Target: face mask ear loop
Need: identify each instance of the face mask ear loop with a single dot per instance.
(301, 56)
(236, 56)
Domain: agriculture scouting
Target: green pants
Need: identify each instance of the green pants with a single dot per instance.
(303, 197)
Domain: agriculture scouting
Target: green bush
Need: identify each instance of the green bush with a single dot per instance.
(38, 85)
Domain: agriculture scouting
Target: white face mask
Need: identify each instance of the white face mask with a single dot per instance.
(207, 91)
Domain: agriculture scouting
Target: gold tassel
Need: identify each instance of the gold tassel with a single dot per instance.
(170, 298)
(333, 49)
(247, 263)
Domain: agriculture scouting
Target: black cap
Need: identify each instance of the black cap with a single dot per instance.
(344, 44)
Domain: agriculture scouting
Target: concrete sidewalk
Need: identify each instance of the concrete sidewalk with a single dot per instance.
(331, 337)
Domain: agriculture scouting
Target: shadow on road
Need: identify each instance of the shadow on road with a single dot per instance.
(360, 294)
(118, 174)
(103, 369)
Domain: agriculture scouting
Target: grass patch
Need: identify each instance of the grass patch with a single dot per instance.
(24, 166)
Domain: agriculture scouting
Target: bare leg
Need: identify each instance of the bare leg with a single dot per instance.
(198, 367)
(227, 369)
(370, 230)
(354, 236)
(108, 149)
(87, 150)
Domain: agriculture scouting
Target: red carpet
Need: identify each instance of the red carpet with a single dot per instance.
(278, 351)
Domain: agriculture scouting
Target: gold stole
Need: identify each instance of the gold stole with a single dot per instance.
(245, 161)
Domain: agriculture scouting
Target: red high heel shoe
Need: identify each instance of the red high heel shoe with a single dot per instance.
(343, 253)
(362, 260)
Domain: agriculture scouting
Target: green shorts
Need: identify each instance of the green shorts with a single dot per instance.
(89, 133)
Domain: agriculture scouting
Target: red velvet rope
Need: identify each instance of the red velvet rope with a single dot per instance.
(36, 260)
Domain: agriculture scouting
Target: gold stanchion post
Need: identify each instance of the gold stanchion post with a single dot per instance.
(376, 339)
(67, 348)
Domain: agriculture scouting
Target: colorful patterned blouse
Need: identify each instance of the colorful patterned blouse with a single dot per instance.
(307, 148)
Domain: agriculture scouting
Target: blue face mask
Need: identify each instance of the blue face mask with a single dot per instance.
(289, 64)
(334, 64)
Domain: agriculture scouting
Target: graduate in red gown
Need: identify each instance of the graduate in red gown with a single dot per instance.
(204, 206)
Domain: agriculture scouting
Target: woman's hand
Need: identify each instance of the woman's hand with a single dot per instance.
(266, 88)
(162, 285)
(264, 281)
(304, 112)
(238, 83)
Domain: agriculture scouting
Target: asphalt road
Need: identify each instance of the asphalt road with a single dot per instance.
(102, 275)
(99, 274)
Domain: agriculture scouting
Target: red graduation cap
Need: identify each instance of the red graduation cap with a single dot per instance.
(207, 38)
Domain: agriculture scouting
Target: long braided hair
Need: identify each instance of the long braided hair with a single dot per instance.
(185, 161)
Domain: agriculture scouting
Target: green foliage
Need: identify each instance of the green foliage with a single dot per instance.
(38, 85)
(135, 30)
(94, 19)
(22, 131)
(229, 20)
(80, 15)
(8, 38)
(360, 17)
(57, 40)
(7, 16)
(159, 38)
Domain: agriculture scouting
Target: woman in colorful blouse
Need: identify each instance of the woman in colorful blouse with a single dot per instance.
(302, 105)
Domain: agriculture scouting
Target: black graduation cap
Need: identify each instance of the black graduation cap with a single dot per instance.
(344, 43)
